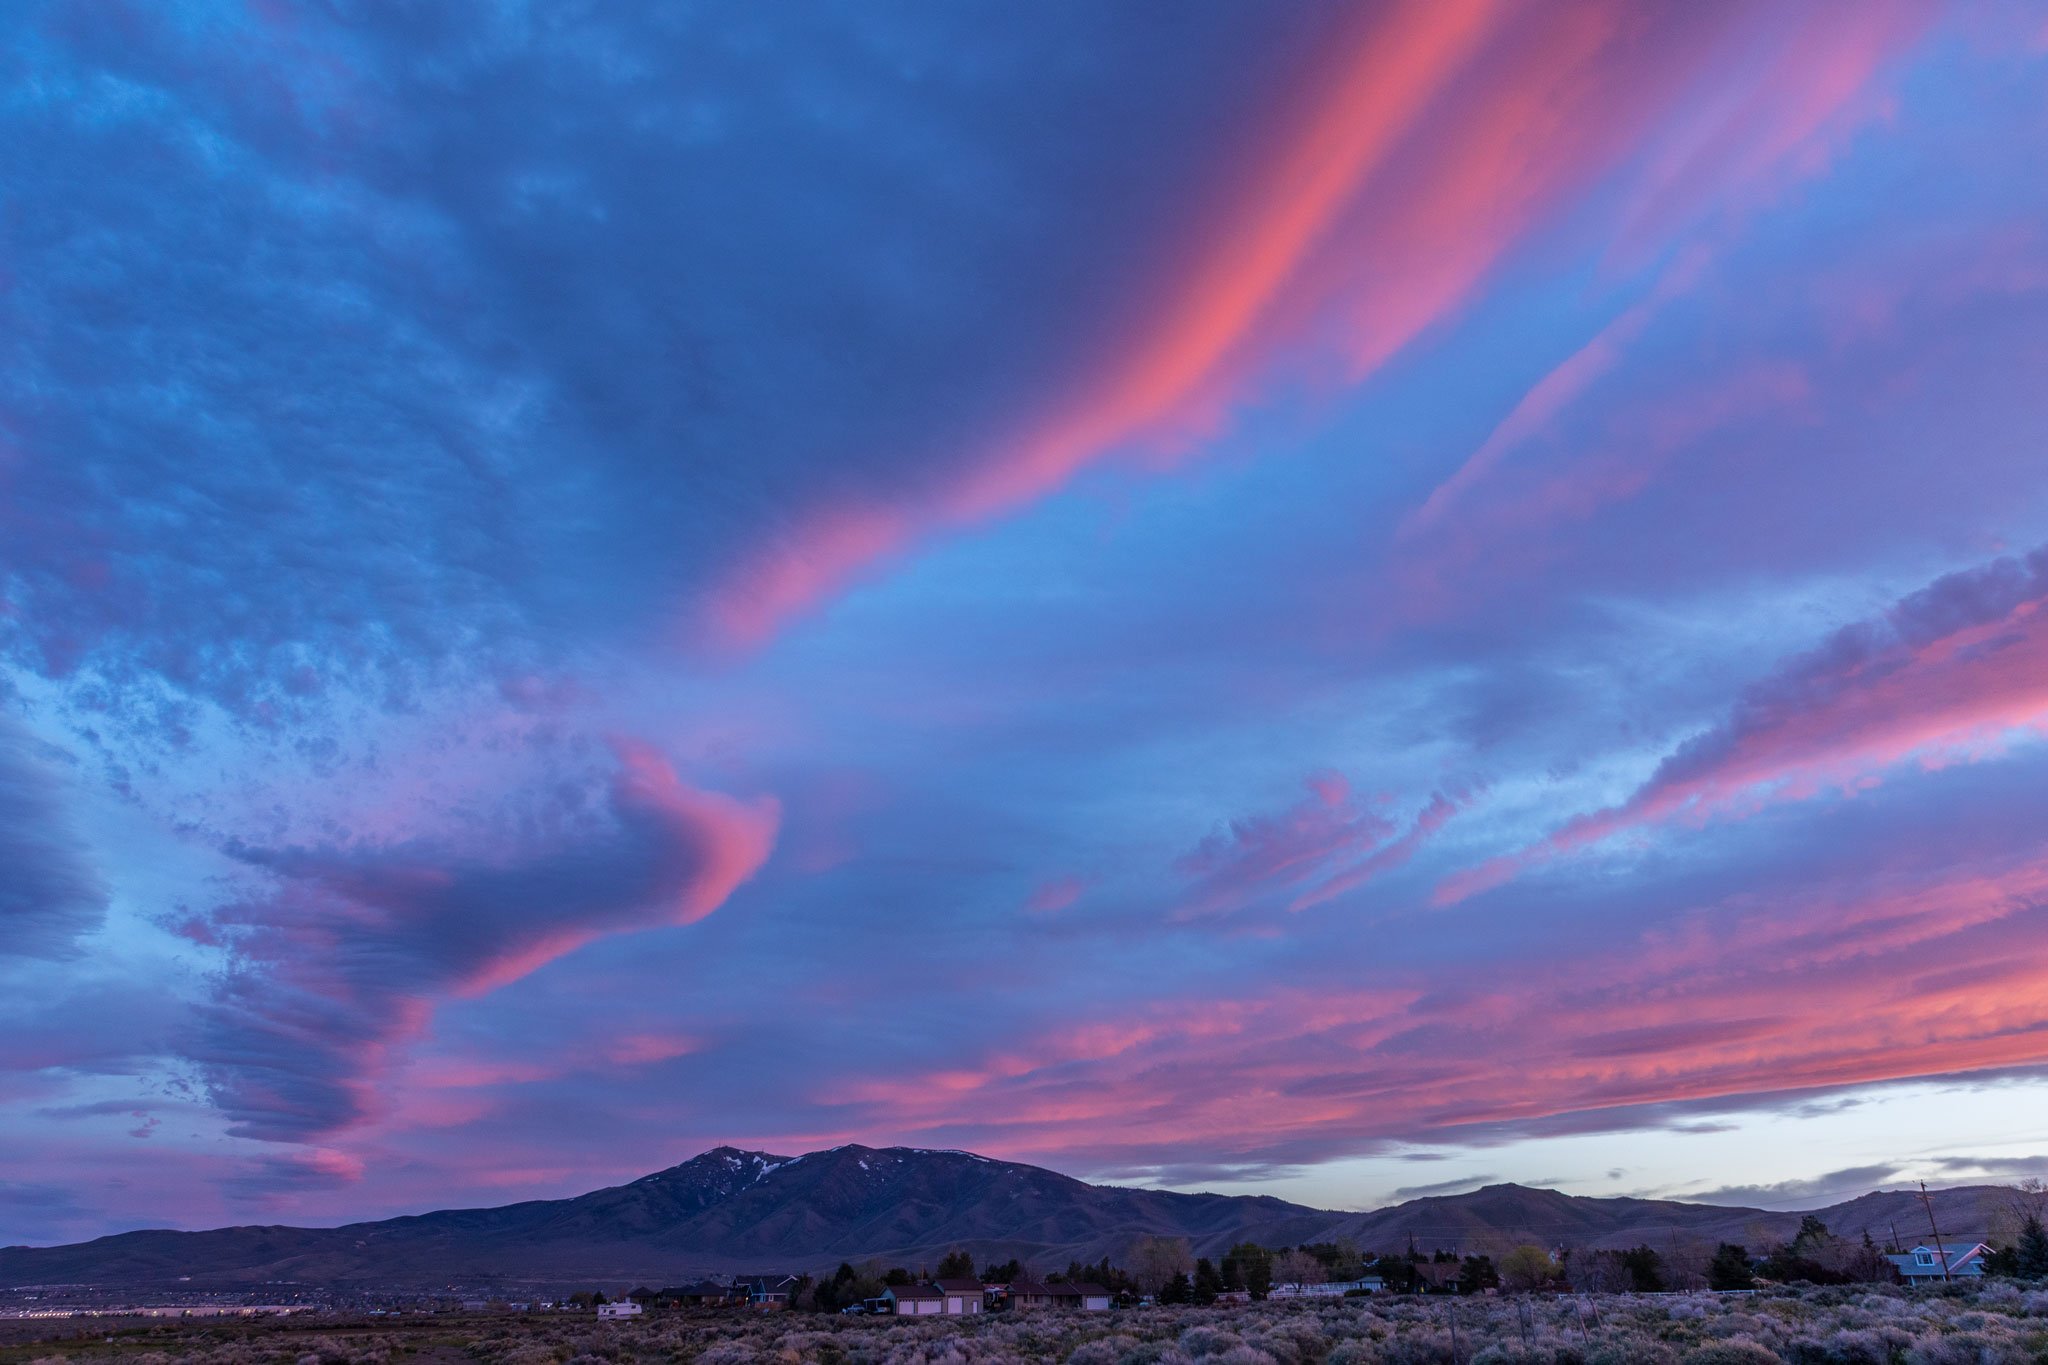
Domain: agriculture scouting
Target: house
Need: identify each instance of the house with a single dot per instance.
(705, 1292)
(1329, 1289)
(915, 1300)
(962, 1296)
(627, 1309)
(1438, 1276)
(1091, 1298)
(766, 1291)
(1924, 1264)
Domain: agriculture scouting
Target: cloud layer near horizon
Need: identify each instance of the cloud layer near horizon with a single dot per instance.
(1192, 591)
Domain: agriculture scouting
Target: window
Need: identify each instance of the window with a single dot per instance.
(1924, 1257)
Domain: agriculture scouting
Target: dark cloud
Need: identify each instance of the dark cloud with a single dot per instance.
(39, 1212)
(328, 363)
(1998, 1167)
(50, 891)
(1461, 1186)
(1811, 1192)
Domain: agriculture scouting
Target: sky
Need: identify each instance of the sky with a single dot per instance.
(1345, 601)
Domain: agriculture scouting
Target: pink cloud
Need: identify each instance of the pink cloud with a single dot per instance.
(638, 1049)
(1953, 673)
(1909, 974)
(340, 969)
(1051, 897)
(1382, 200)
(1321, 847)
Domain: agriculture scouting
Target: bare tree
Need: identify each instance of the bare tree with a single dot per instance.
(1298, 1268)
(1156, 1260)
(1685, 1262)
(1596, 1272)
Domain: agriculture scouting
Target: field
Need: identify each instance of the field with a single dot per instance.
(1995, 1325)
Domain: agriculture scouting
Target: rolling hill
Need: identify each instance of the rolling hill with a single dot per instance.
(732, 1210)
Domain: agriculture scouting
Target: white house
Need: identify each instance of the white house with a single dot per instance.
(1923, 1264)
(1329, 1289)
(628, 1309)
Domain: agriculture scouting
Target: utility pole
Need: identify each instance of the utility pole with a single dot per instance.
(1939, 1249)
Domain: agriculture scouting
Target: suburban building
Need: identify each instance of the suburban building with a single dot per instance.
(1923, 1263)
(915, 1300)
(705, 1292)
(1329, 1289)
(962, 1296)
(627, 1309)
(1034, 1294)
(1438, 1275)
(766, 1291)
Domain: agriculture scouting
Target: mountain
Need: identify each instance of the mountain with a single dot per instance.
(732, 1210)
(1501, 1216)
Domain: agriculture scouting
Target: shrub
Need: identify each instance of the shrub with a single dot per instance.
(1731, 1353)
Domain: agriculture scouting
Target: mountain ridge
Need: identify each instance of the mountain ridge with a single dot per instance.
(730, 1209)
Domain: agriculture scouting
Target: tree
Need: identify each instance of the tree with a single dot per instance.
(1812, 1239)
(1730, 1268)
(1298, 1268)
(1645, 1270)
(1208, 1282)
(1526, 1268)
(1156, 1260)
(1178, 1289)
(1398, 1272)
(1252, 1267)
(957, 1265)
(1477, 1273)
(834, 1292)
(2033, 1250)
(1002, 1274)
(1340, 1258)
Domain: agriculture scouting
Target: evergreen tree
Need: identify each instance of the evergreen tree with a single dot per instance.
(2032, 1250)
(1645, 1270)
(1730, 1268)
(1254, 1267)
(1812, 1237)
(1208, 1283)
(957, 1265)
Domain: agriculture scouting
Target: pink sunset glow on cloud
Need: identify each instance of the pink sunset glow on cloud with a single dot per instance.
(1426, 570)
(1509, 113)
(1794, 994)
(369, 939)
(1951, 673)
(1051, 897)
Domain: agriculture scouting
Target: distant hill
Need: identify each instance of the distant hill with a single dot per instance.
(731, 1210)
(1500, 1216)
